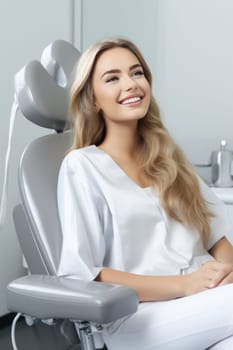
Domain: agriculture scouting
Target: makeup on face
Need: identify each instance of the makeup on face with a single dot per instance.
(121, 90)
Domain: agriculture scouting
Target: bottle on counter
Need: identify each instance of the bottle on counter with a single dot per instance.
(221, 166)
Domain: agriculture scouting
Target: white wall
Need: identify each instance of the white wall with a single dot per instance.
(26, 27)
(134, 19)
(195, 73)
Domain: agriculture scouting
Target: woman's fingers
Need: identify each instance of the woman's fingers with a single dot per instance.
(218, 273)
(216, 277)
(227, 280)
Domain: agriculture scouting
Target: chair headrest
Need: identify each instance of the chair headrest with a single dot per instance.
(42, 88)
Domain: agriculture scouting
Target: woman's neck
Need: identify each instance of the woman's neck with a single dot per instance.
(121, 141)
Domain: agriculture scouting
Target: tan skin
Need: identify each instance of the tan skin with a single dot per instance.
(122, 93)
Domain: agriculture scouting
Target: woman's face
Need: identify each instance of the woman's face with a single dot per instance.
(121, 91)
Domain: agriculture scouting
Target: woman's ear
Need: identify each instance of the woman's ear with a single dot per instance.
(97, 107)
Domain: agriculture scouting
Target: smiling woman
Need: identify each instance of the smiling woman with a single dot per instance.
(133, 211)
(122, 94)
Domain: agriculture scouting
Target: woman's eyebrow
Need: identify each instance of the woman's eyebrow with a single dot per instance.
(137, 65)
(112, 71)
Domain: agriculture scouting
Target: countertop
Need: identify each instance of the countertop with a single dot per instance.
(224, 193)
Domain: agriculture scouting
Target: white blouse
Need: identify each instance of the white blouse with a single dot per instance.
(108, 220)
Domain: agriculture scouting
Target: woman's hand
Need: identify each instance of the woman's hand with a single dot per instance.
(210, 275)
(224, 272)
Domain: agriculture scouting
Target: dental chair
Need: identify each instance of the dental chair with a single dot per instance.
(41, 89)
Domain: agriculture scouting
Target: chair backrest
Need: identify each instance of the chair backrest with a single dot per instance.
(42, 90)
(38, 173)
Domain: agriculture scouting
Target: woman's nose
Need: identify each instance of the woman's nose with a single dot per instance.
(129, 83)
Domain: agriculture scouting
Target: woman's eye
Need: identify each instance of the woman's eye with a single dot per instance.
(138, 73)
(111, 79)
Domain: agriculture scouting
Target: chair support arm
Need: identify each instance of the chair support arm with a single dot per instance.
(46, 297)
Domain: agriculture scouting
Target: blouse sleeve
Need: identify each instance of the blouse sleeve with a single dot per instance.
(83, 245)
(219, 224)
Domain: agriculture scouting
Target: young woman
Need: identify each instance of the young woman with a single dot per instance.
(133, 211)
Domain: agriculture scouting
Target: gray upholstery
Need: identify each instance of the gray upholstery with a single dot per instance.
(42, 88)
(38, 174)
(40, 97)
(27, 241)
(59, 59)
(70, 298)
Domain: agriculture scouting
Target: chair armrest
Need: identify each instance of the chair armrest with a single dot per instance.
(46, 297)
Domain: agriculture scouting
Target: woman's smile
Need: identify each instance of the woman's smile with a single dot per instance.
(131, 100)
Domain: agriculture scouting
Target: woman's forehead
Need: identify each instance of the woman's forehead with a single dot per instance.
(115, 58)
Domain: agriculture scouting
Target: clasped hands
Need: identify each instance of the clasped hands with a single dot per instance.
(211, 274)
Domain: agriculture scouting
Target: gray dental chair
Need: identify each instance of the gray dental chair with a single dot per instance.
(42, 94)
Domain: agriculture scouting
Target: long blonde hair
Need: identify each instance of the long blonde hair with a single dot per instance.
(159, 156)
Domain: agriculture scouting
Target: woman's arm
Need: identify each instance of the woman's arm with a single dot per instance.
(149, 288)
(156, 288)
(222, 251)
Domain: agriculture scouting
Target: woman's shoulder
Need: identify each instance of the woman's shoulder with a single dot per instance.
(80, 159)
(79, 154)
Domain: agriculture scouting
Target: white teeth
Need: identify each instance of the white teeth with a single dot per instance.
(131, 100)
